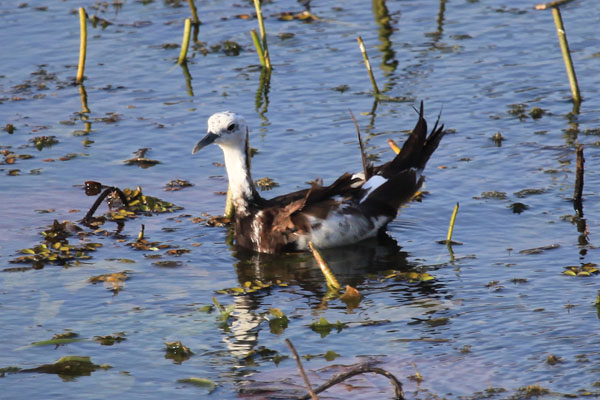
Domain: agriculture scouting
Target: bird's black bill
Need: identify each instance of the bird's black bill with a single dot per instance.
(208, 139)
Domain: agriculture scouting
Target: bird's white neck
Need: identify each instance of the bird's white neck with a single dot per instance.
(240, 180)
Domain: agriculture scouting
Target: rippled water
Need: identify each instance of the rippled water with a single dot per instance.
(491, 316)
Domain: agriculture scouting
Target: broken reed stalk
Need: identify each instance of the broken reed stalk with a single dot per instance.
(82, 44)
(552, 4)
(259, 49)
(361, 369)
(578, 196)
(361, 45)
(451, 227)
(329, 276)
(185, 42)
(564, 48)
(194, 11)
(263, 34)
(301, 369)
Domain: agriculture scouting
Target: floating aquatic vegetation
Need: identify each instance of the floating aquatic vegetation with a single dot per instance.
(227, 47)
(518, 110)
(59, 339)
(491, 195)
(553, 360)
(518, 208)
(9, 128)
(528, 192)
(110, 340)
(263, 353)
(266, 183)
(141, 160)
(134, 201)
(69, 366)
(530, 391)
(251, 287)
(305, 16)
(411, 276)
(168, 264)
(177, 352)
(43, 141)
(55, 249)
(200, 382)
(215, 220)
(537, 113)
(586, 269)
(330, 355)
(114, 281)
(177, 184)
(278, 321)
(324, 327)
(537, 250)
(498, 138)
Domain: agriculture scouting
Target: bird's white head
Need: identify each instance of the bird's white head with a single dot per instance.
(227, 129)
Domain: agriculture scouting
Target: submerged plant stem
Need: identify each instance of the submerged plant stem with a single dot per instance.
(185, 41)
(82, 44)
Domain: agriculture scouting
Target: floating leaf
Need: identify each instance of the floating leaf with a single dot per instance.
(201, 382)
(330, 355)
(177, 352)
(278, 321)
(69, 366)
(324, 327)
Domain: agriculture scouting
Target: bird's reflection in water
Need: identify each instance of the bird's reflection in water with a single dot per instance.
(350, 264)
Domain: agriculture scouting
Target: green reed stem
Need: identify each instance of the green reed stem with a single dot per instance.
(259, 49)
(82, 44)
(361, 45)
(564, 47)
(185, 42)
(263, 35)
(452, 221)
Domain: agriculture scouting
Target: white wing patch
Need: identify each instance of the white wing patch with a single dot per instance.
(372, 184)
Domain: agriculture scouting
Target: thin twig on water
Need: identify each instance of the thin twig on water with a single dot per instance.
(361, 369)
(301, 369)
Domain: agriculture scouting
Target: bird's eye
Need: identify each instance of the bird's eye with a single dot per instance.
(231, 128)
